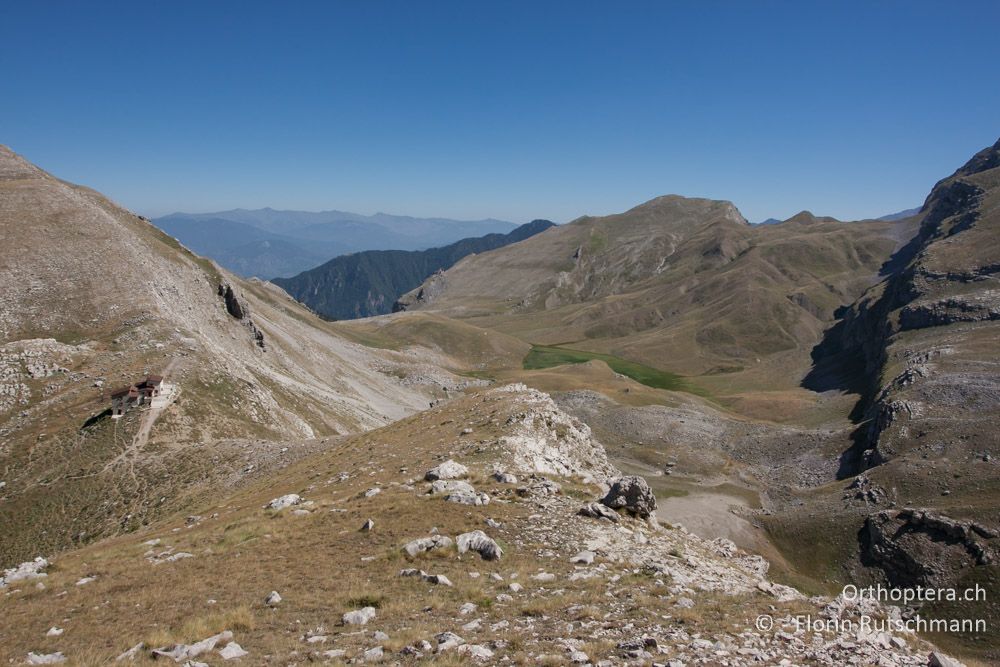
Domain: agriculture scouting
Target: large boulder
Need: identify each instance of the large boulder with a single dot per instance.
(631, 493)
(479, 542)
(452, 486)
(447, 470)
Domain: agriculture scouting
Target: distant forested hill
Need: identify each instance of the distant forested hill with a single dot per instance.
(368, 283)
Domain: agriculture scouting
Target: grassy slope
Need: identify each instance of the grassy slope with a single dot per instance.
(543, 356)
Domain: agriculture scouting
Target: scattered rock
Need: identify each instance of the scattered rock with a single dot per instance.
(429, 578)
(476, 651)
(179, 652)
(452, 486)
(504, 477)
(273, 599)
(46, 658)
(599, 511)
(584, 558)
(448, 640)
(31, 569)
(368, 526)
(232, 651)
(465, 498)
(54, 632)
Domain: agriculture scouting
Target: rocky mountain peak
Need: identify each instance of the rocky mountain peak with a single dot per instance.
(988, 158)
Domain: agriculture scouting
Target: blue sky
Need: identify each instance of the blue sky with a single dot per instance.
(509, 110)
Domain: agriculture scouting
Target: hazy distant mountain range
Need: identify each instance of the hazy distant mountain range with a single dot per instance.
(267, 243)
(892, 217)
(368, 283)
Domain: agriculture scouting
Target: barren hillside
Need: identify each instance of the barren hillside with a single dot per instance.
(93, 297)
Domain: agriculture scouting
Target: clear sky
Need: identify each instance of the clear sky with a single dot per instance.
(501, 109)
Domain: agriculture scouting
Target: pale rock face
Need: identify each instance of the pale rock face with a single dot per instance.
(46, 658)
(479, 542)
(544, 439)
(447, 470)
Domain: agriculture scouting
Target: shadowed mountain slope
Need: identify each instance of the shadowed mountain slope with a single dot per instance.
(368, 283)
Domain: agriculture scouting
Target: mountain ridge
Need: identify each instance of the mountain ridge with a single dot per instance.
(369, 283)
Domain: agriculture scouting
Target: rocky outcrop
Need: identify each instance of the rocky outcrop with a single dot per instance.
(916, 547)
(943, 277)
(976, 308)
(432, 288)
(541, 438)
(239, 309)
(234, 306)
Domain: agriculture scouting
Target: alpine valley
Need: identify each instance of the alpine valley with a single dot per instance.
(620, 440)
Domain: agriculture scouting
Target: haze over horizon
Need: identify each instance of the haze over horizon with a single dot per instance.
(503, 112)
